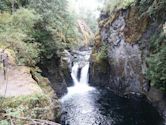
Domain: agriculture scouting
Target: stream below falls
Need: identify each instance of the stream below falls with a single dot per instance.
(85, 105)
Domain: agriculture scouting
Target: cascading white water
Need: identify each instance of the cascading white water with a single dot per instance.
(84, 75)
(84, 78)
(74, 73)
(80, 86)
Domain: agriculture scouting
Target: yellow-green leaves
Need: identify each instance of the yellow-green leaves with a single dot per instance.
(117, 4)
(15, 31)
(25, 19)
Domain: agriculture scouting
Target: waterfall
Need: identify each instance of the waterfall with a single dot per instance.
(84, 74)
(74, 73)
(83, 77)
(81, 85)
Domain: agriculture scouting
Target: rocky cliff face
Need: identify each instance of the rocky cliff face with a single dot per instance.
(125, 35)
(58, 70)
(66, 65)
(51, 68)
(120, 33)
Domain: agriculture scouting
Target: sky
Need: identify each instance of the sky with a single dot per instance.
(86, 5)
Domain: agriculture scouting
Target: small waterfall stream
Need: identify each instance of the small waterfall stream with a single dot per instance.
(84, 75)
(80, 85)
(85, 105)
(74, 74)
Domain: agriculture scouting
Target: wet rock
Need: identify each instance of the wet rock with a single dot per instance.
(51, 68)
(45, 84)
(124, 74)
(79, 73)
(83, 48)
(81, 56)
(99, 72)
(125, 68)
(135, 25)
(126, 35)
(66, 64)
(158, 99)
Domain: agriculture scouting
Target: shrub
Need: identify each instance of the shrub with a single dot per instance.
(117, 4)
(15, 32)
(156, 72)
(154, 8)
(32, 106)
(157, 69)
(102, 53)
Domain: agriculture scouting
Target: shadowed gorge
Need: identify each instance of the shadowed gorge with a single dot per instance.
(85, 105)
(82, 62)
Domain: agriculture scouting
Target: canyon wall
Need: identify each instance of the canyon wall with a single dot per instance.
(118, 60)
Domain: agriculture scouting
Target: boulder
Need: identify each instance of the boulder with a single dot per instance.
(66, 65)
(21, 96)
(51, 68)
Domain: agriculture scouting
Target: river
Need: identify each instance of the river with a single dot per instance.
(85, 105)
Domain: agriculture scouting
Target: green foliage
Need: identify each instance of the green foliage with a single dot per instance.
(3, 5)
(15, 32)
(102, 53)
(24, 20)
(127, 2)
(36, 28)
(12, 5)
(57, 29)
(112, 5)
(154, 8)
(4, 122)
(25, 106)
(156, 41)
(156, 72)
(30, 101)
(55, 16)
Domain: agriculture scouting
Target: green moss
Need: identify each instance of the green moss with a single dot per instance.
(31, 101)
(43, 82)
(35, 106)
(102, 53)
(156, 41)
(112, 5)
(155, 9)
(100, 58)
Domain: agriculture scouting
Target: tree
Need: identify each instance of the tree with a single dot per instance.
(15, 31)
(56, 30)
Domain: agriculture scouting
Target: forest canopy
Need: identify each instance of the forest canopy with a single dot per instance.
(32, 28)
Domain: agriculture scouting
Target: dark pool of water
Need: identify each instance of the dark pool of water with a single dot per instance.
(102, 107)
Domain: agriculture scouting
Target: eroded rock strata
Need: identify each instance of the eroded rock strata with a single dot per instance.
(124, 36)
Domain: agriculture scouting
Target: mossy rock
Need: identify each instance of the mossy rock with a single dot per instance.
(135, 25)
(37, 106)
(99, 63)
(45, 84)
(31, 101)
(42, 81)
